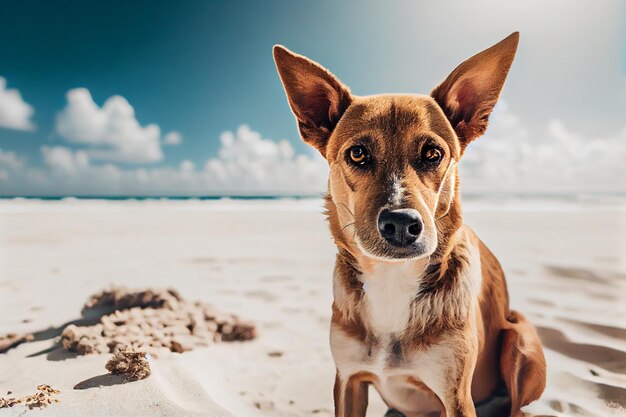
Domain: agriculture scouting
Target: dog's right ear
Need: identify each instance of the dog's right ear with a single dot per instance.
(317, 98)
(470, 92)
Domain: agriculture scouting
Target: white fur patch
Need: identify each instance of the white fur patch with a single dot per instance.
(390, 290)
(432, 367)
(397, 192)
(445, 193)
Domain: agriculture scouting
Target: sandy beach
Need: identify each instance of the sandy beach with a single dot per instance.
(271, 262)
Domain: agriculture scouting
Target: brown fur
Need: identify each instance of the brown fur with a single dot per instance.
(351, 396)
(498, 346)
(522, 363)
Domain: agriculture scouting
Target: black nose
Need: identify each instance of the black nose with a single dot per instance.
(400, 227)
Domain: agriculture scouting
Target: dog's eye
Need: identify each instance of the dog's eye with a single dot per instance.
(431, 154)
(358, 155)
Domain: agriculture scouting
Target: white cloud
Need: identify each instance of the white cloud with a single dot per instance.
(15, 113)
(10, 164)
(187, 166)
(10, 160)
(63, 159)
(248, 163)
(512, 158)
(112, 131)
(173, 138)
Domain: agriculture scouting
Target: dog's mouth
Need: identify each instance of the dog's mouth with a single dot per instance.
(385, 252)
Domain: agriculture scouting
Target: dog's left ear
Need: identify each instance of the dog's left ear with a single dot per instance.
(470, 92)
(317, 98)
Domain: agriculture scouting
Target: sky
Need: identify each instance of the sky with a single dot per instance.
(182, 98)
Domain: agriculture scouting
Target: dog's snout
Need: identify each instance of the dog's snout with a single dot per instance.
(400, 227)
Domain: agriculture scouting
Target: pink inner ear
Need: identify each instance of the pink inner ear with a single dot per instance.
(334, 112)
(467, 100)
(319, 103)
(323, 104)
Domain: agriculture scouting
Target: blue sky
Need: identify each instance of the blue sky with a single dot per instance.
(202, 68)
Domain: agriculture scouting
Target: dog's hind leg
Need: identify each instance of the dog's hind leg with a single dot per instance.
(522, 362)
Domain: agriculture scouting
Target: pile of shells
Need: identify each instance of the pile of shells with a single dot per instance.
(152, 321)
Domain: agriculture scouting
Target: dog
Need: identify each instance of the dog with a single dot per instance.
(420, 308)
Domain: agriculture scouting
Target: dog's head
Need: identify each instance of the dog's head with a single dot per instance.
(392, 158)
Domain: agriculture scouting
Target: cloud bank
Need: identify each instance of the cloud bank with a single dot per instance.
(15, 113)
(512, 158)
(246, 164)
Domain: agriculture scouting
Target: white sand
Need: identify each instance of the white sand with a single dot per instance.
(272, 262)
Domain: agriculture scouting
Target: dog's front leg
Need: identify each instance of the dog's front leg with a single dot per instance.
(459, 401)
(350, 396)
(458, 394)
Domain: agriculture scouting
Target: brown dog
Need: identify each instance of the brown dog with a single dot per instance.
(420, 306)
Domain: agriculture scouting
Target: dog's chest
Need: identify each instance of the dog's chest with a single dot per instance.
(389, 292)
(390, 306)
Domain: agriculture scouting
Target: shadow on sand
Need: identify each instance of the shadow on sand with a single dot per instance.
(104, 380)
(56, 352)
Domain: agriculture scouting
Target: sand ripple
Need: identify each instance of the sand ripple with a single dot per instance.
(580, 321)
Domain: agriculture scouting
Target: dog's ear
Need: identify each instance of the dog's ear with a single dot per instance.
(470, 92)
(317, 98)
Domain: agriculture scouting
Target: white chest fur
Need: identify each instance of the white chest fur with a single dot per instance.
(390, 288)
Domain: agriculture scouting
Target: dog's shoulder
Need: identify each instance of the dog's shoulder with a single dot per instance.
(493, 297)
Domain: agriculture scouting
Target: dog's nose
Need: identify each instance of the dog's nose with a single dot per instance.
(400, 227)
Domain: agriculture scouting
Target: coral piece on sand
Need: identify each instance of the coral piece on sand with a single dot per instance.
(238, 332)
(132, 365)
(42, 398)
(152, 321)
(11, 340)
